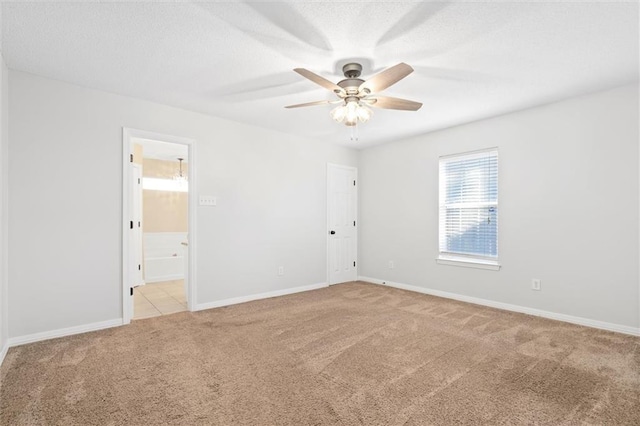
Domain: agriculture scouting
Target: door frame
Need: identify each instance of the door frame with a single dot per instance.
(328, 230)
(127, 135)
(137, 245)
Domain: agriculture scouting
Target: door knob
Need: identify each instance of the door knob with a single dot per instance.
(332, 232)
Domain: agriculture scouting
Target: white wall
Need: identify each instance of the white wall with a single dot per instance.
(65, 203)
(4, 311)
(568, 177)
(65, 188)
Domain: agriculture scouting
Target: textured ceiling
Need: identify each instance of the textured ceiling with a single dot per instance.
(472, 60)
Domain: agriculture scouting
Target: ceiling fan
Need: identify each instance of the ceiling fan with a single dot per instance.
(355, 94)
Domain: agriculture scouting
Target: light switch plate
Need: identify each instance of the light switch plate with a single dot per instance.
(535, 284)
(208, 200)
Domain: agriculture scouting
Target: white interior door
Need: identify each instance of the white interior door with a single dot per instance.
(136, 226)
(341, 221)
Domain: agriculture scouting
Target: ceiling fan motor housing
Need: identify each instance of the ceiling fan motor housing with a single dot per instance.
(351, 83)
(352, 70)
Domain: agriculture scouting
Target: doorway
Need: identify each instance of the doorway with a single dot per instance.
(159, 224)
(342, 239)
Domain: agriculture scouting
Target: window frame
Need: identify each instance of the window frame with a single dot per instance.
(466, 259)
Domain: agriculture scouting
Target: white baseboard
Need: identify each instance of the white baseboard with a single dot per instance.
(509, 307)
(45, 335)
(243, 299)
(3, 352)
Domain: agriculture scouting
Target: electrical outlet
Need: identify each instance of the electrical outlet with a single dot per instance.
(280, 270)
(392, 264)
(535, 284)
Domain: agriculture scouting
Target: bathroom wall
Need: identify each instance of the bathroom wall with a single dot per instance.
(164, 223)
(137, 153)
(163, 211)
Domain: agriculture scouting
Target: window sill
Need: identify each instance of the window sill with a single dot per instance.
(468, 263)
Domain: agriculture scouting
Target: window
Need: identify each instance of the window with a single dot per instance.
(469, 209)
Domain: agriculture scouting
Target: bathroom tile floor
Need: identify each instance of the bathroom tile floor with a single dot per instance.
(155, 299)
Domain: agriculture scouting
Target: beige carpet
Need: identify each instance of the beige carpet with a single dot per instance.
(349, 354)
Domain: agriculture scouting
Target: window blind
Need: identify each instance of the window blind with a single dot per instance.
(469, 205)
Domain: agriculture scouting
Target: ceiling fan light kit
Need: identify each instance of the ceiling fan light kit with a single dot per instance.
(356, 94)
(350, 113)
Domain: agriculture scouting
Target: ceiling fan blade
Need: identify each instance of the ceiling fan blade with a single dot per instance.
(388, 102)
(386, 78)
(319, 80)
(309, 104)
